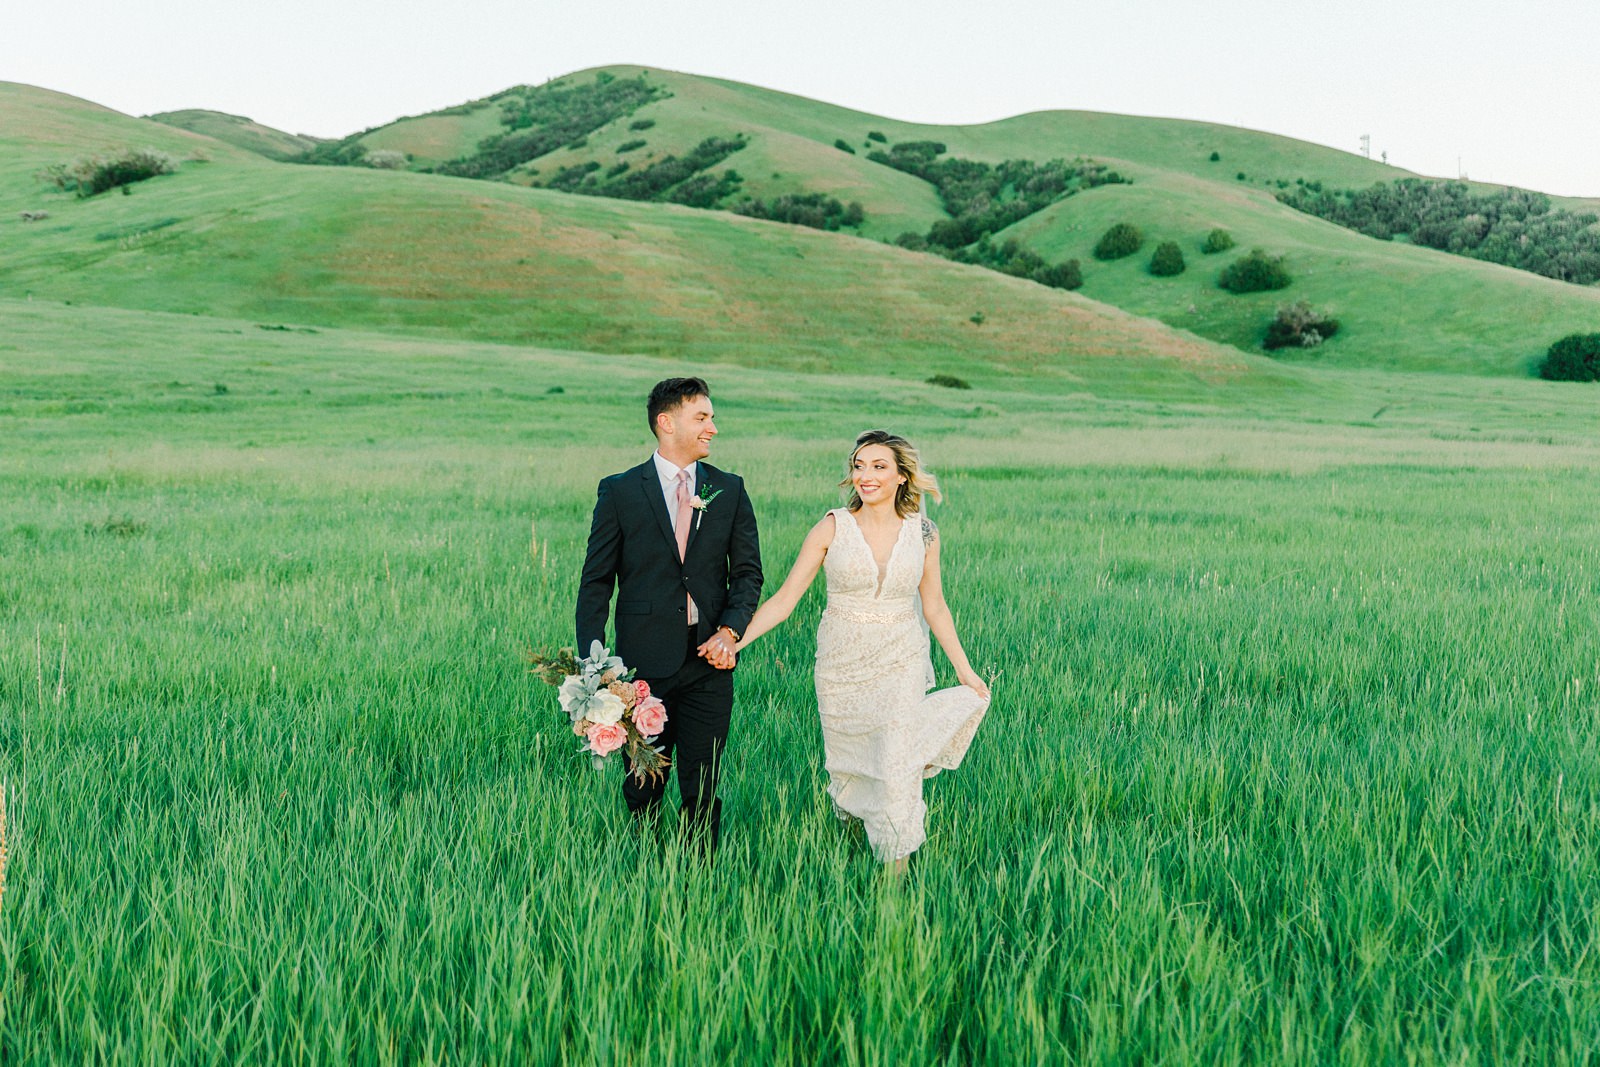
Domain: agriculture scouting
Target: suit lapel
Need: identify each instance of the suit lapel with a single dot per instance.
(657, 502)
(703, 475)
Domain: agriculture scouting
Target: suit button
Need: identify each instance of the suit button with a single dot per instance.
(686, 580)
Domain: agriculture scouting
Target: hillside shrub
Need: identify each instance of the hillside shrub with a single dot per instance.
(983, 199)
(874, 135)
(641, 124)
(1218, 240)
(618, 169)
(537, 122)
(815, 210)
(386, 159)
(654, 181)
(913, 241)
(629, 146)
(706, 190)
(1168, 260)
(844, 146)
(1216, 157)
(949, 381)
(1255, 273)
(1064, 275)
(1512, 227)
(1123, 239)
(1574, 358)
(92, 175)
(1299, 325)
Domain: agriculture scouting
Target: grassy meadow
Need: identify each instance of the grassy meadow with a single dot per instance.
(1293, 757)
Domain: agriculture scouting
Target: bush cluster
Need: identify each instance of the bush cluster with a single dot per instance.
(984, 199)
(1123, 239)
(629, 146)
(655, 181)
(1299, 325)
(386, 159)
(1255, 273)
(538, 121)
(844, 146)
(1011, 257)
(1512, 227)
(96, 174)
(1574, 358)
(815, 210)
(1218, 240)
(1168, 260)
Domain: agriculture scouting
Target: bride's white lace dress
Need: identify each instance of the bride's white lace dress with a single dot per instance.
(882, 731)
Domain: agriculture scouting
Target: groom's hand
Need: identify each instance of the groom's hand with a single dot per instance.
(719, 651)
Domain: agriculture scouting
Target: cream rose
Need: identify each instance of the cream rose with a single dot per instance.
(604, 708)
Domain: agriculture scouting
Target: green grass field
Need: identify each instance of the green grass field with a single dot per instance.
(1293, 757)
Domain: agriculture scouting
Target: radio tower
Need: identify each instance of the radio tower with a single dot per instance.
(1366, 145)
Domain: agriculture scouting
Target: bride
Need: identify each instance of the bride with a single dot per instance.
(882, 731)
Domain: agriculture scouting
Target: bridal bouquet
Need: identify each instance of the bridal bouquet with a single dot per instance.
(610, 711)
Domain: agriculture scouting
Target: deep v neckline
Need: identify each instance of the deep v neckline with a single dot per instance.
(881, 568)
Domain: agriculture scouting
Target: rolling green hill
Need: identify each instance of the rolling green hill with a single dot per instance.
(239, 131)
(493, 260)
(243, 236)
(1400, 306)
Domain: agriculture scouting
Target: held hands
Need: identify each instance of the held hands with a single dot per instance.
(721, 651)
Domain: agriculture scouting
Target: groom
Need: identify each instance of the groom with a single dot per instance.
(676, 538)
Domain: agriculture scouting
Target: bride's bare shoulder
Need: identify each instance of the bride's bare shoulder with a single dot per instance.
(822, 533)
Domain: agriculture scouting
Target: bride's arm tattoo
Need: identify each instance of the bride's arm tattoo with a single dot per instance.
(929, 531)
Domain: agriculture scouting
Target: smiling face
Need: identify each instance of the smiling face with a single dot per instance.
(875, 475)
(685, 432)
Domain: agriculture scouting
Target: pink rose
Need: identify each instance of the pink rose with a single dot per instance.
(606, 739)
(650, 716)
(642, 688)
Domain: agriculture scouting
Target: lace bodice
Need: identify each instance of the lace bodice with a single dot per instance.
(854, 582)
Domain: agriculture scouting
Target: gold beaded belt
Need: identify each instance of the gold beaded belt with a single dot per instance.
(862, 615)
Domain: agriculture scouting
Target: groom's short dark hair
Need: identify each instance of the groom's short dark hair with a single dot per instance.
(672, 392)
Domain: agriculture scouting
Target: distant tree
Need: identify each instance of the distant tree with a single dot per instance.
(96, 174)
(1299, 325)
(1168, 260)
(629, 146)
(844, 146)
(1218, 240)
(386, 159)
(1255, 273)
(641, 124)
(1574, 358)
(874, 135)
(1123, 239)
(912, 240)
(1064, 275)
(1216, 157)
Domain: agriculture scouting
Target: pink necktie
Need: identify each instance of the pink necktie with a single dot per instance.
(681, 528)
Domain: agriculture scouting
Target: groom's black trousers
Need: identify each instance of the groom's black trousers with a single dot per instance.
(699, 700)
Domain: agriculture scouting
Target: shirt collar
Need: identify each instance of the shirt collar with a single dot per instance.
(668, 471)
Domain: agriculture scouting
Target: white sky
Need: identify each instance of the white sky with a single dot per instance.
(1508, 89)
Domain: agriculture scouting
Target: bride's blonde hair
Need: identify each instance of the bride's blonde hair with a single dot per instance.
(918, 482)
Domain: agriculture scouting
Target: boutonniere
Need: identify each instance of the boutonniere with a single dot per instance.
(700, 502)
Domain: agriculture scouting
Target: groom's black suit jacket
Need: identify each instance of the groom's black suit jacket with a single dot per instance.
(632, 548)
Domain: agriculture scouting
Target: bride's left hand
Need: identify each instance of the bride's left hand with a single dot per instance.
(970, 679)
